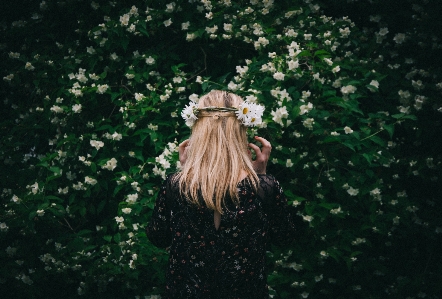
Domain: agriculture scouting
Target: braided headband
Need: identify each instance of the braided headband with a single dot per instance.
(249, 114)
(215, 115)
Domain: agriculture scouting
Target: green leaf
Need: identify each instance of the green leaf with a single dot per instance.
(321, 53)
(101, 206)
(389, 129)
(368, 157)
(117, 237)
(55, 169)
(378, 140)
(82, 211)
(349, 145)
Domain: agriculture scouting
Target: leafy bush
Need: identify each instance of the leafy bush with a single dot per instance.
(92, 94)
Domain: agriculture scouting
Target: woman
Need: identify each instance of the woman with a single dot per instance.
(219, 214)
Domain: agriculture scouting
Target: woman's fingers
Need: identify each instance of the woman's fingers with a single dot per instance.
(262, 154)
(255, 148)
(266, 146)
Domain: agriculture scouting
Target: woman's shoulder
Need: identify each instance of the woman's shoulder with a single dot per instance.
(268, 179)
(268, 185)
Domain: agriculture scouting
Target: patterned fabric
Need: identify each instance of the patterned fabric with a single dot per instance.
(226, 263)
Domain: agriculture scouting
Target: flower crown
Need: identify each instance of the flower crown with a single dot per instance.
(249, 114)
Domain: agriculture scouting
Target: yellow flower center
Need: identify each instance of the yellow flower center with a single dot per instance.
(245, 110)
(253, 120)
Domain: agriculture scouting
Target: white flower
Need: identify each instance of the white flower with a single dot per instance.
(291, 33)
(126, 210)
(110, 164)
(375, 192)
(185, 26)
(40, 213)
(308, 36)
(177, 79)
(139, 96)
(212, 30)
(232, 86)
(308, 123)
(289, 163)
(114, 56)
(336, 211)
(116, 136)
(97, 144)
(132, 198)
(119, 219)
(227, 27)
(190, 37)
(305, 108)
(90, 181)
(336, 69)
(3, 227)
(328, 61)
(167, 23)
(344, 32)
(14, 55)
(34, 188)
(307, 218)
(102, 88)
(15, 199)
(399, 38)
(170, 7)
(188, 114)
(335, 133)
(374, 83)
(150, 60)
(352, 191)
(383, 31)
(8, 77)
(279, 114)
(194, 98)
(250, 114)
(57, 109)
(348, 130)
(29, 66)
(124, 19)
(76, 108)
(348, 89)
(293, 64)
(278, 76)
(262, 41)
(90, 50)
(242, 70)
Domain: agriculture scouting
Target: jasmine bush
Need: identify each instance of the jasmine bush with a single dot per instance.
(91, 99)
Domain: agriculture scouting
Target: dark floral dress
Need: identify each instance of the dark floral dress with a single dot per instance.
(226, 263)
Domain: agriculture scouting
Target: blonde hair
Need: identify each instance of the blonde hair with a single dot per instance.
(217, 155)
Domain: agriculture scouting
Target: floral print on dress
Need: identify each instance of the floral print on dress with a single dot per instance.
(224, 263)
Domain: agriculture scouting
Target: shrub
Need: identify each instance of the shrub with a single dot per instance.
(92, 95)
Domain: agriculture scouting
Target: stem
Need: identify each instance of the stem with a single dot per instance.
(373, 134)
(68, 224)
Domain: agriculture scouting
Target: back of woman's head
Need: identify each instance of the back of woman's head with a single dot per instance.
(217, 155)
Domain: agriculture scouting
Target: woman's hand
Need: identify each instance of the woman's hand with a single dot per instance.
(182, 150)
(262, 155)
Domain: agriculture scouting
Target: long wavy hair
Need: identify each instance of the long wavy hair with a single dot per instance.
(217, 156)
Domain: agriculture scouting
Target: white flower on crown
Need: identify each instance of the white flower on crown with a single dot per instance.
(250, 114)
(188, 114)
